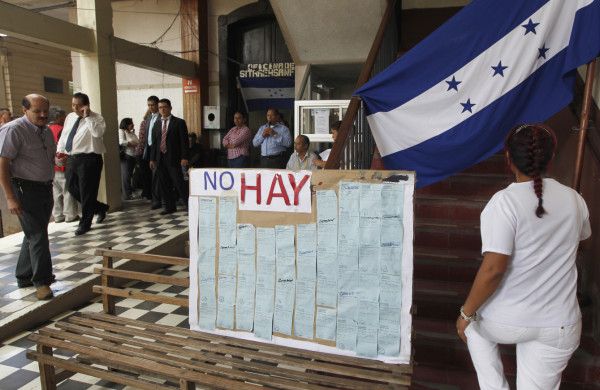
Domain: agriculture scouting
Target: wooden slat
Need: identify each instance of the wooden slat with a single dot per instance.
(202, 336)
(171, 360)
(171, 260)
(276, 355)
(47, 376)
(95, 372)
(142, 276)
(223, 378)
(108, 301)
(127, 293)
(159, 349)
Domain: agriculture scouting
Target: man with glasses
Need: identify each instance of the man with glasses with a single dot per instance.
(82, 141)
(27, 151)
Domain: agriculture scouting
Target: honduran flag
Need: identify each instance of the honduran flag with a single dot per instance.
(449, 102)
(262, 93)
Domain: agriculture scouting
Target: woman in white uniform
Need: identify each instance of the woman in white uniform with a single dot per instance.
(525, 290)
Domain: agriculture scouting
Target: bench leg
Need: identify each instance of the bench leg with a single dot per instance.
(186, 385)
(47, 374)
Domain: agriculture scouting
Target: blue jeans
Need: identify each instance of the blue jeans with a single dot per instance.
(239, 162)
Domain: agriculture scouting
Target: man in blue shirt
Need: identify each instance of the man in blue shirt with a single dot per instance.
(273, 139)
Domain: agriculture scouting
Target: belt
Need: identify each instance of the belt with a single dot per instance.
(24, 182)
(80, 155)
(272, 156)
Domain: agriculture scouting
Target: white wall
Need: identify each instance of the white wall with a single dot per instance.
(143, 22)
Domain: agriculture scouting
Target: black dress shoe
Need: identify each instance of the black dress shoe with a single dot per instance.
(83, 229)
(155, 206)
(102, 215)
(165, 212)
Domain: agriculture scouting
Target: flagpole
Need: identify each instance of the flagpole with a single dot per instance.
(583, 122)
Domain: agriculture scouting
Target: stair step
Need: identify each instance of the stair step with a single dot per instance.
(449, 208)
(495, 164)
(437, 345)
(481, 185)
(445, 270)
(450, 254)
(465, 236)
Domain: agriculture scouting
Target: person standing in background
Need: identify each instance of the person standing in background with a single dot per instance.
(82, 142)
(273, 138)
(143, 164)
(237, 141)
(195, 153)
(149, 138)
(5, 116)
(27, 151)
(127, 140)
(169, 156)
(65, 206)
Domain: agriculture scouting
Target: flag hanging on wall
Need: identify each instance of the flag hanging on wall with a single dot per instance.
(449, 102)
(262, 93)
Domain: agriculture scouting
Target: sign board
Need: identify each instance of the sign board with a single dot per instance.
(319, 260)
(191, 85)
(278, 69)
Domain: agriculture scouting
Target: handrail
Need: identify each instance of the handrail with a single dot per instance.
(333, 162)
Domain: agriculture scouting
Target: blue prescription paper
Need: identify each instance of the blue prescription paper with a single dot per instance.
(366, 341)
(326, 323)
(304, 317)
(388, 341)
(306, 252)
(346, 334)
(392, 200)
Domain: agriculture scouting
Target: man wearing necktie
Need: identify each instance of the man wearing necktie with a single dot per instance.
(27, 150)
(169, 155)
(150, 122)
(82, 141)
(273, 139)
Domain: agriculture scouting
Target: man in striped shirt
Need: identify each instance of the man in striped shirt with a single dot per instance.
(237, 141)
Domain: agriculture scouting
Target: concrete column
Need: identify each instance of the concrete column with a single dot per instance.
(99, 82)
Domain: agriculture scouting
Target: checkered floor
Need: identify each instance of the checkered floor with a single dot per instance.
(136, 228)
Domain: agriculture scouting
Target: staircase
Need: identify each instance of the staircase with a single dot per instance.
(446, 258)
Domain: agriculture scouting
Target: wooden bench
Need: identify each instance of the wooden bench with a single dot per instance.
(152, 356)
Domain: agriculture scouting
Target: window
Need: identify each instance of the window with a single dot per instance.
(53, 85)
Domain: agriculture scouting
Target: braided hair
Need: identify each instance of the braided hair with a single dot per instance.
(531, 147)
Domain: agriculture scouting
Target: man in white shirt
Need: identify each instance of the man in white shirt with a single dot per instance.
(82, 141)
(302, 158)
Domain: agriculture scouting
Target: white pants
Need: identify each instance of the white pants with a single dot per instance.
(65, 206)
(542, 353)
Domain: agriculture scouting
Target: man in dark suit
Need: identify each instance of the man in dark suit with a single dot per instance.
(169, 155)
(150, 121)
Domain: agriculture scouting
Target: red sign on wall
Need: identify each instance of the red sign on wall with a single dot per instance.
(191, 85)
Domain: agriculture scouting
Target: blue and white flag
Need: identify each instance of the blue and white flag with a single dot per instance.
(449, 102)
(262, 93)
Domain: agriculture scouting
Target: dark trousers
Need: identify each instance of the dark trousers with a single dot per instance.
(274, 162)
(34, 262)
(146, 177)
(127, 165)
(83, 179)
(157, 197)
(170, 176)
(239, 162)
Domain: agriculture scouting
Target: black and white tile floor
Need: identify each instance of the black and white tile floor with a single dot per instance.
(136, 228)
